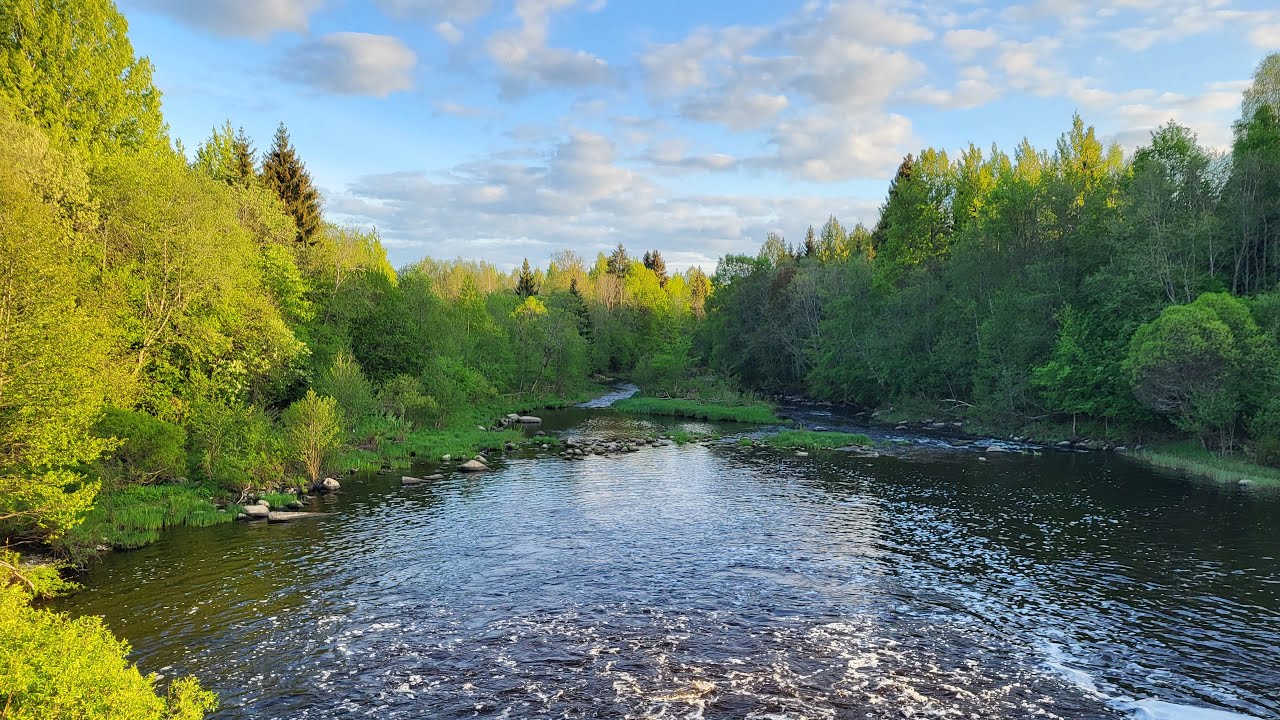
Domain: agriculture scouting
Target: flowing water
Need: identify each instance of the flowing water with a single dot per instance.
(717, 581)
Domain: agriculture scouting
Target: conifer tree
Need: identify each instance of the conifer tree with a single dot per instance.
(619, 261)
(244, 159)
(653, 260)
(526, 285)
(284, 173)
(810, 243)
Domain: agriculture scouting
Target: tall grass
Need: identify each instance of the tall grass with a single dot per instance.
(1190, 458)
(134, 516)
(811, 440)
(753, 412)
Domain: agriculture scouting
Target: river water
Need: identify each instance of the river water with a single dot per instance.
(718, 581)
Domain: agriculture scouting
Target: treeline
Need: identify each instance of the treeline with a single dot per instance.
(1064, 286)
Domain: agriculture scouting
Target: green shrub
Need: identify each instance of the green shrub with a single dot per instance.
(149, 448)
(56, 666)
(134, 516)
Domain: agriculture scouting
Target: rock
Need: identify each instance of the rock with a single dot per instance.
(481, 459)
(446, 458)
(472, 466)
(513, 417)
(996, 449)
(540, 433)
(801, 453)
(530, 419)
(296, 505)
(330, 485)
(256, 512)
(570, 442)
(1063, 443)
(1120, 448)
(1244, 482)
(481, 427)
(981, 459)
(277, 517)
(900, 428)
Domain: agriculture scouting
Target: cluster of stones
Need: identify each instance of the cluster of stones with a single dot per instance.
(514, 419)
(578, 449)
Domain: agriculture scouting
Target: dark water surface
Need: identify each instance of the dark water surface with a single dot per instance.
(723, 582)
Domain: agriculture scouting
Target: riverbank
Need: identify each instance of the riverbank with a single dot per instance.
(131, 517)
(755, 412)
(1188, 457)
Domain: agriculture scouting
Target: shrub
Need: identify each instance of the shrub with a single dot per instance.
(311, 426)
(56, 666)
(149, 448)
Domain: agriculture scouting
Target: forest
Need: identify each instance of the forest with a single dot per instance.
(178, 329)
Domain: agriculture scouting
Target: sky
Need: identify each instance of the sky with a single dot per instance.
(506, 129)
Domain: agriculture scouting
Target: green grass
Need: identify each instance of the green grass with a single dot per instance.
(684, 437)
(1187, 456)
(811, 440)
(134, 516)
(752, 412)
(278, 500)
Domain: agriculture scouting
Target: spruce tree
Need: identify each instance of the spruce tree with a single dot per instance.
(810, 243)
(653, 261)
(526, 286)
(244, 159)
(619, 261)
(284, 173)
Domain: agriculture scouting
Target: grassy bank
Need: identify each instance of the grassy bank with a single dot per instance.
(134, 516)
(1187, 456)
(811, 440)
(750, 412)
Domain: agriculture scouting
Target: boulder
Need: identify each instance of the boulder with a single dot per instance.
(278, 517)
(481, 459)
(1063, 443)
(296, 505)
(513, 417)
(481, 428)
(330, 485)
(530, 419)
(446, 458)
(256, 512)
(472, 466)
(408, 480)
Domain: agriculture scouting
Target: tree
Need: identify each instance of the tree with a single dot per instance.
(653, 260)
(1264, 91)
(618, 262)
(699, 290)
(68, 67)
(810, 243)
(526, 285)
(227, 155)
(284, 172)
(313, 429)
(57, 365)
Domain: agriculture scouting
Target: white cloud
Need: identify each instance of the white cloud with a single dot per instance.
(825, 148)
(258, 19)
(1266, 37)
(526, 62)
(967, 42)
(451, 33)
(456, 11)
(348, 63)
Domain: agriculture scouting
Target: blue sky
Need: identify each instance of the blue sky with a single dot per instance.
(500, 130)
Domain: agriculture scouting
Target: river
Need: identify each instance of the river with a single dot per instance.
(719, 581)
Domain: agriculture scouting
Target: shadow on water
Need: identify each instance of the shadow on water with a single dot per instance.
(715, 581)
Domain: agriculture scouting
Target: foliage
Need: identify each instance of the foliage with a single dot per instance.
(313, 430)
(133, 516)
(283, 172)
(55, 666)
(149, 448)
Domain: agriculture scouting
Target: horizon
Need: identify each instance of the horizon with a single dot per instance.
(505, 130)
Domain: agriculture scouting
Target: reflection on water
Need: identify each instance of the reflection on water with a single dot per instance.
(714, 581)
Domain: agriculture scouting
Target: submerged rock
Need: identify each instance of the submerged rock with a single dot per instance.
(408, 480)
(278, 517)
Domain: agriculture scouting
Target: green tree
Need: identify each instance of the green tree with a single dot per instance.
(313, 429)
(526, 285)
(68, 67)
(619, 262)
(56, 349)
(653, 260)
(284, 172)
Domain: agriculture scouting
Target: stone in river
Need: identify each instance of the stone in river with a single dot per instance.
(530, 419)
(277, 517)
(330, 485)
(471, 466)
(256, 512)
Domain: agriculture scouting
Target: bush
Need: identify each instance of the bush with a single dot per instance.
(149, 448)
(56, 666)
(311, 426)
